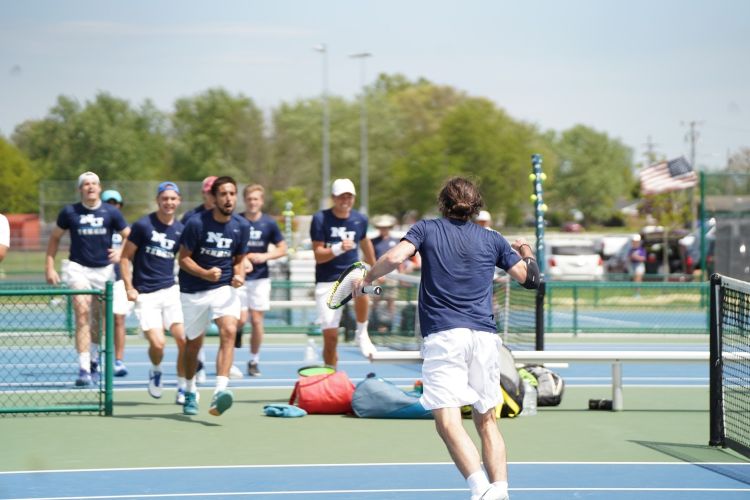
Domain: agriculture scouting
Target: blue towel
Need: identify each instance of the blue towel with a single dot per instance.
(282, 410)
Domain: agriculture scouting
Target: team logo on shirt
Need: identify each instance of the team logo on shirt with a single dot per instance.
(341, 232)
(93, 225)
(161, 246)
(222, 245)
(255, 238)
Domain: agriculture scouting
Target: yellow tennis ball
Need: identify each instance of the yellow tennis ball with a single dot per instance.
(532, 177)
(543, 207)
(544, 176)
(533, 197)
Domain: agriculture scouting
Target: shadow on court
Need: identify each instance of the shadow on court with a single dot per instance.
(705, 457)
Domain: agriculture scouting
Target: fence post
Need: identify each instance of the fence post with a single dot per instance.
(575, 309)
(109, 350)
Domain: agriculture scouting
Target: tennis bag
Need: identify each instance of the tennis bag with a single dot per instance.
(550, 385)
(375, 397)
(328, 393)
(511, 388)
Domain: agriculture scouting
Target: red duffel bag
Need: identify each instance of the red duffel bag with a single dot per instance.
(329, 393)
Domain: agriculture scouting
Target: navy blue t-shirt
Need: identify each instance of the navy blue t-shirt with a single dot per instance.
(212, 244)
(262, 232)
(382, 245)
(153, 262)
(458, 265)
(200, 208)
(329, 229)
(91, 232)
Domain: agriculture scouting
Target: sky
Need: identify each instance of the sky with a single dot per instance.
(640, 71)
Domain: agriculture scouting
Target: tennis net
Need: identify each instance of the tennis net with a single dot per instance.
(394, 321)
(730, 364)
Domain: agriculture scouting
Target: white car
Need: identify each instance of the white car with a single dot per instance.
(573, 260)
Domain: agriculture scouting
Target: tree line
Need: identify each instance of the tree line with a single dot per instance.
(419, 133)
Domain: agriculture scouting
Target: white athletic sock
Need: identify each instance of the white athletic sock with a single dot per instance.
(192, 386)
(156, 368)
(181, 383)
(478, 482)
(94, 350)
(255, 358)
(84, 361)
(221, 383)
(361, 327)
(201, 356)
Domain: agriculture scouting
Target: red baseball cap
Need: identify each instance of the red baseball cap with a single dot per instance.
(208, 182)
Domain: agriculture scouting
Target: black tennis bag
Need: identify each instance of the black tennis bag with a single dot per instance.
(550, 385)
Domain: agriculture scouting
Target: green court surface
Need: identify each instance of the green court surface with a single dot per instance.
(659, 425)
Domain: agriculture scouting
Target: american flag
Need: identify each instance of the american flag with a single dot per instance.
(672, 175)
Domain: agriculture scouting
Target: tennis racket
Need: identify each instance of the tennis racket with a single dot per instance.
(344, 286)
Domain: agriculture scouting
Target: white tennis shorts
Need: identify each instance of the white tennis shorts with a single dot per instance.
(256, 294)
(80, 277)
(461, 367)
(160, 309)
(201, 307)
(327, 318)
(120, 303)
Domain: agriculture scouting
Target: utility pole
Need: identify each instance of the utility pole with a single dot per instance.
(692, 137)
(650, 153)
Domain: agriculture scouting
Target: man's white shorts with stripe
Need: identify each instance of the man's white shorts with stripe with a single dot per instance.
(160, 309)
(201, 307)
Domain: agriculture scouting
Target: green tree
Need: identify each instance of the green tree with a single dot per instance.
(18, 181)
(106, 136)
(593, 173)
(216, 133)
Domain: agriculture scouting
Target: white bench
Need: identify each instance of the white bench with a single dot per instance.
(541, 357)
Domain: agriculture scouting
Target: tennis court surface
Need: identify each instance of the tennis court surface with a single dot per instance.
(656, 448)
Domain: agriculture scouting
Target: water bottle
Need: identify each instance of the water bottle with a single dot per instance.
(529, 399)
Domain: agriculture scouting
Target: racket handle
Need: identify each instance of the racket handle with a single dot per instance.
(372, 290)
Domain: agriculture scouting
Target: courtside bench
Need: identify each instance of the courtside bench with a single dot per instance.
(542, 357)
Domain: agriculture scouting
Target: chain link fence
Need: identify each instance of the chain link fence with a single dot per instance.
(38, 352)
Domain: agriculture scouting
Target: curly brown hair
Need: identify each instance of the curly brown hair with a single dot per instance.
(459, 199)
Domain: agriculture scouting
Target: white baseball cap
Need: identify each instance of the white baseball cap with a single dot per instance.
(636, 237)
(341, 186)
(483, 216)
(86, 176)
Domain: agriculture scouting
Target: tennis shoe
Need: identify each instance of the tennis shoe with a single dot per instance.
(221, 402)
(180, 398)
(120, 369)
(154, 384)
(235, 372)
(84, 378)
(252, 369)
(200, 373)
(191, 404)
(495, 493)
(366, 346)
(95, 373)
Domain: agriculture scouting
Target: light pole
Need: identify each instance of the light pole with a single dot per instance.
(364, 168)
(326, 127)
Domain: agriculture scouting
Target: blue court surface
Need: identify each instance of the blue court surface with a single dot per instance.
(404, 481)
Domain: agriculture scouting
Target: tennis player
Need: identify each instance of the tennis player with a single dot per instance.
(148, 274)
(460, 348)
(208, 200)
(256, 294)
(121, 307)
(212, 266)
(336, 235)
(91, 224)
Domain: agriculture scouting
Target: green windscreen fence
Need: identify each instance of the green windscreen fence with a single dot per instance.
(38, 357)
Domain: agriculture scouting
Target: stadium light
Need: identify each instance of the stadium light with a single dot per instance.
(326, 128)
(364, 172)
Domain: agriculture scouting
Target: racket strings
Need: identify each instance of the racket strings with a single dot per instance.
(345, 287)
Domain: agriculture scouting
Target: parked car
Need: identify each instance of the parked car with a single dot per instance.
(573, 260)
(691, 245)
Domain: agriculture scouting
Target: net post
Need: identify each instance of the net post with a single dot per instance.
(110, 350)
(539, 316)
(716, 410)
